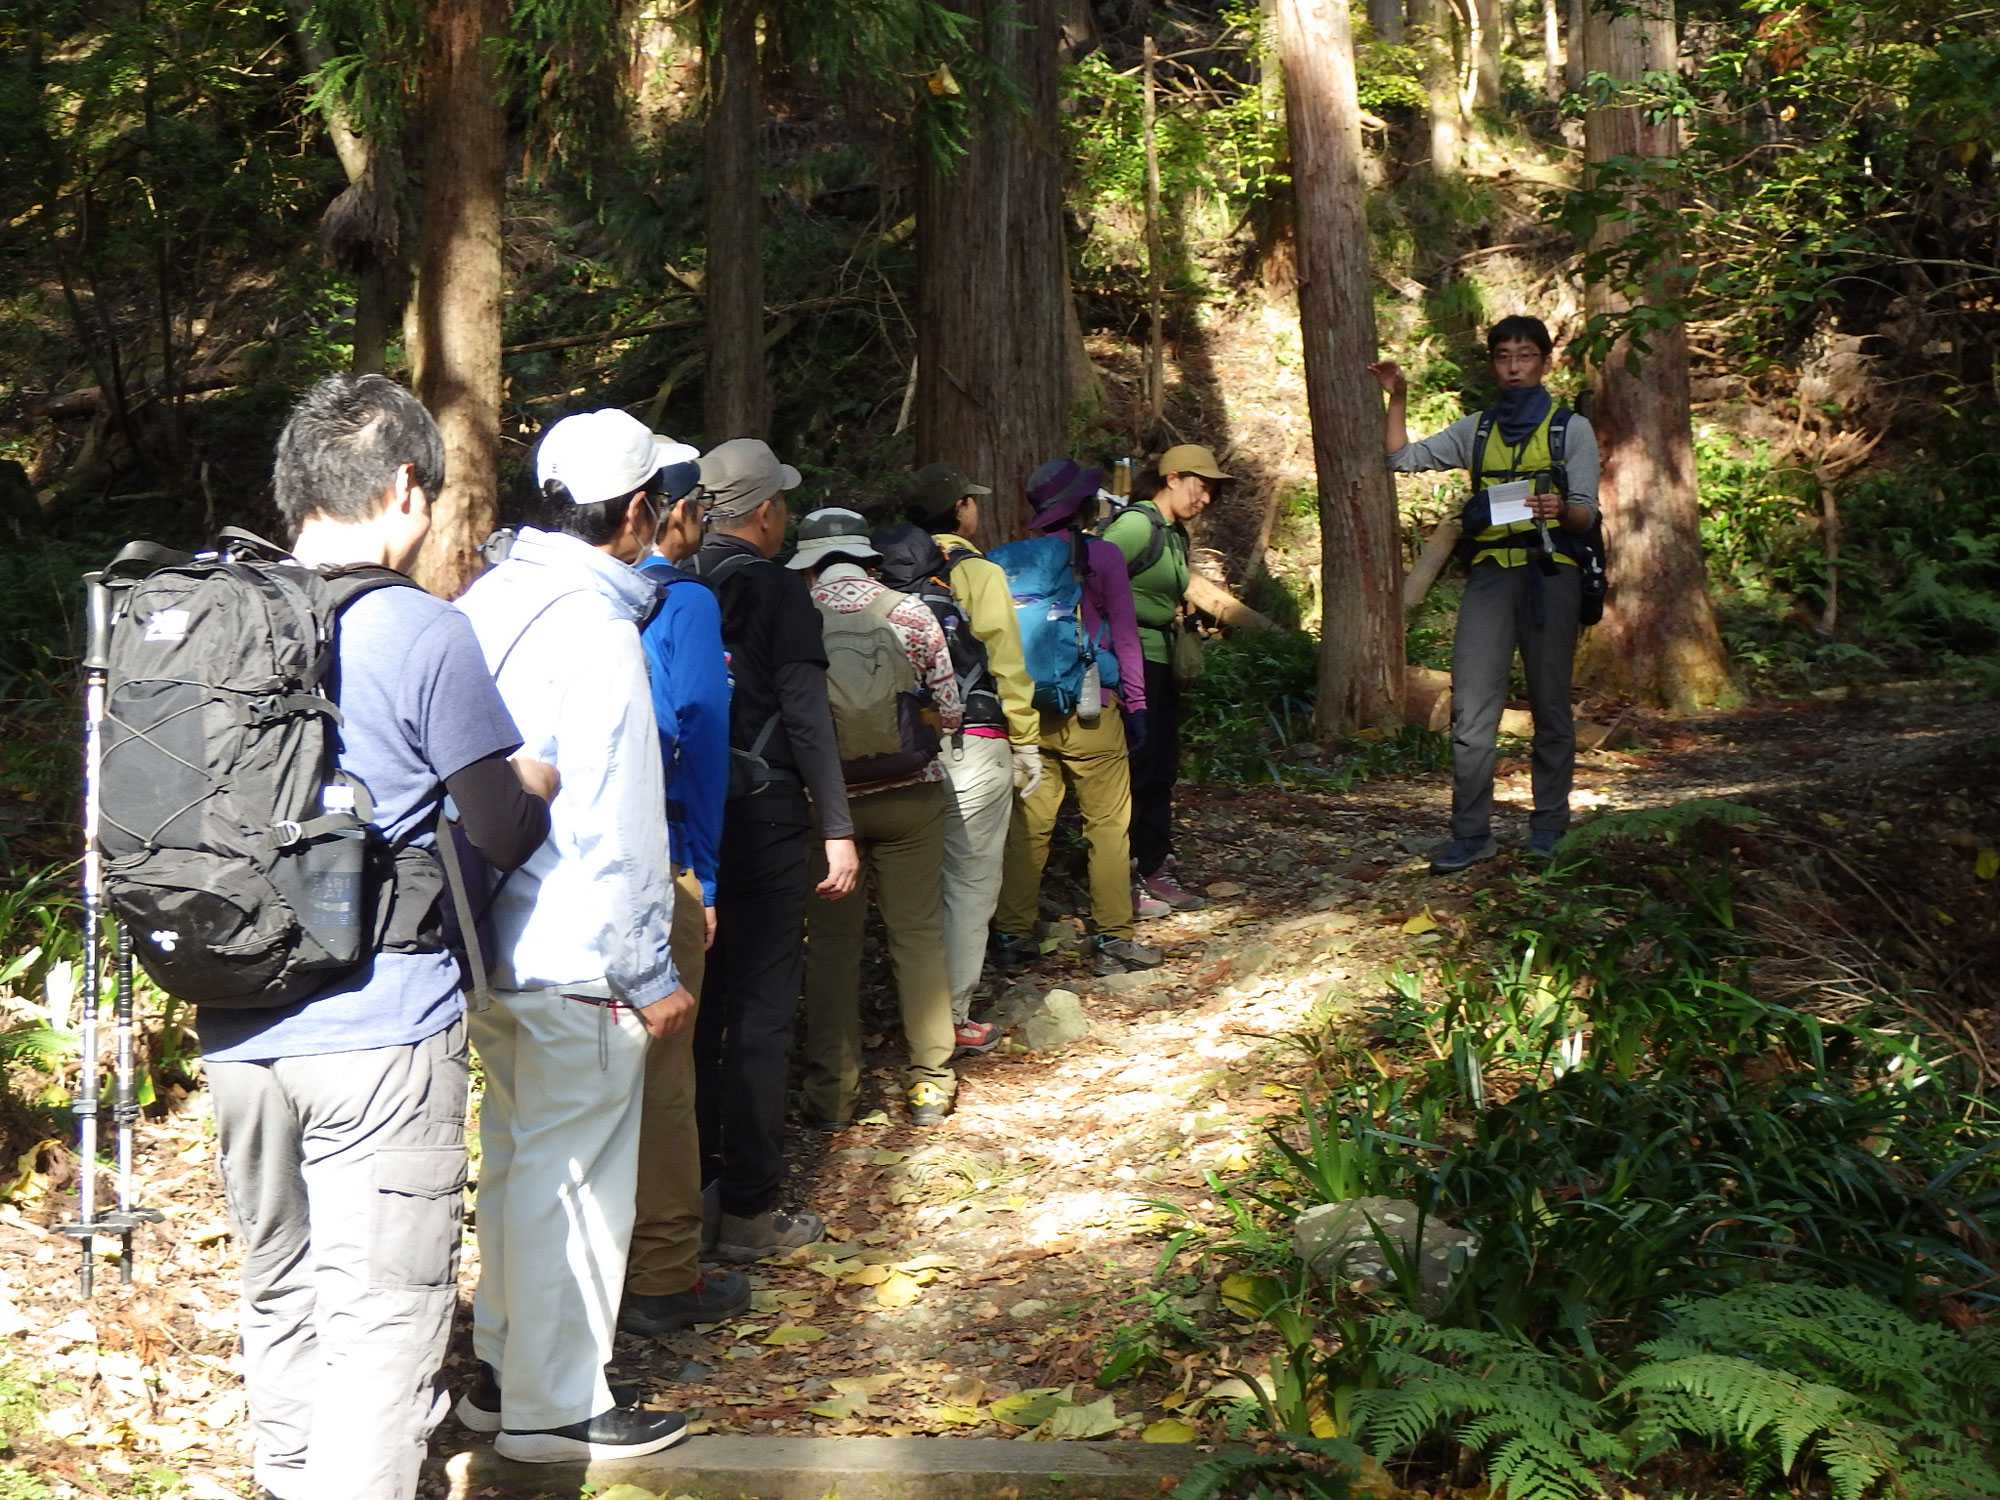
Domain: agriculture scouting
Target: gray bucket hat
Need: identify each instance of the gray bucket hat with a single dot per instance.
(831, 533)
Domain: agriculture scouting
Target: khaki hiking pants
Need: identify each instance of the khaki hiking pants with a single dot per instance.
(899, 834)
(1090, 760)
(666, 1236)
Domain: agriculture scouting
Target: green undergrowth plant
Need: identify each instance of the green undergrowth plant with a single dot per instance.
(1801, 1381)
(1666, 1175)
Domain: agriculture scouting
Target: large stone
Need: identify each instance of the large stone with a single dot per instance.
(1059, 1021)
(1341, 1240)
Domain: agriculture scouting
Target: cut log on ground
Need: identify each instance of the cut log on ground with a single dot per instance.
(1427, 698)
(1212, 598)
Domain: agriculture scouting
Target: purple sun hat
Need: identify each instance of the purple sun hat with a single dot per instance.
(1058, 489)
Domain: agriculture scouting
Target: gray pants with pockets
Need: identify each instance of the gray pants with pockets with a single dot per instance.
(345, 1175)
(1496, 616)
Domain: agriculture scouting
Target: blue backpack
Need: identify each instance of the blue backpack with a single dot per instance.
(1045, 576)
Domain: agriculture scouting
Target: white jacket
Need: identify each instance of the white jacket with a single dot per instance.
(591, 910)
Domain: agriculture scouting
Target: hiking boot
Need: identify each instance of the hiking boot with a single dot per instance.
(768, 1233)
(975, 1038)
(714, 1296)
(822, 1124)
(478, 1410)
(1163, 887)
(1117, 955)
(929, 1104)
(1013, 954)
(1460, 853)
(1542, 843)
(622, 1432)
(1147, 907)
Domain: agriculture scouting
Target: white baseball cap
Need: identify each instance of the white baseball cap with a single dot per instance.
(598, 455)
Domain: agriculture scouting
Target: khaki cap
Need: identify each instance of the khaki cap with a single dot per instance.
(742, 474)
(1191, 458)
(936, 489)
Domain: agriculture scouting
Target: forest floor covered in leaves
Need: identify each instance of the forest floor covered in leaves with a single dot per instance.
(973, 1273)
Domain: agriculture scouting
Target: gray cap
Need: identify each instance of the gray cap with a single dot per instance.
(741, 475)
(830, 533)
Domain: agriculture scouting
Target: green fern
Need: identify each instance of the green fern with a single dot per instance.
(1784, 1375)
(42, 1046)
(1491, 1394)
(1315, 1468)
(1663, 823)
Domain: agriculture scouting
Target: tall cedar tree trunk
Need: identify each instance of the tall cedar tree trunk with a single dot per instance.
(1361, 611)
(1432, 28)
(455, 364)
(1658, 640)
(736, 398)
(359, 230)
(993, 355)
(1486, 54)
(1386, 17)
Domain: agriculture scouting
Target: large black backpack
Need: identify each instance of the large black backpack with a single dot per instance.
(914, 564)
(238, 856)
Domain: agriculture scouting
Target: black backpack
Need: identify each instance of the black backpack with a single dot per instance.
(237, 855)
(1584, 548)
(914, 564)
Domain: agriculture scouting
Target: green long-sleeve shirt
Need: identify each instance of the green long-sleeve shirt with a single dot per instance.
(1157, 591)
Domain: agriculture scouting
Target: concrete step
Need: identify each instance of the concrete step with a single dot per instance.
(857, 1468)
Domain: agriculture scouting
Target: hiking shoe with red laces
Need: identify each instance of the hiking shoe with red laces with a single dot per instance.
(975, 1038)
(1163, 887)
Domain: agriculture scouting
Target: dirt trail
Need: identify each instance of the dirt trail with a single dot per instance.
(991, 1256)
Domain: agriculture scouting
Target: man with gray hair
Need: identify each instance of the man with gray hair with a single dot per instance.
(784, 772)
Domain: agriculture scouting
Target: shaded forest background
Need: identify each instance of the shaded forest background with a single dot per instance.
(188, 236)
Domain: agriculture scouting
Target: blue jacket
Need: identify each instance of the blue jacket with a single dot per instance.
(690, 673)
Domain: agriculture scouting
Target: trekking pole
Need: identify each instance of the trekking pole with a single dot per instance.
(96, 670)
(125, 1112)
(101, 614)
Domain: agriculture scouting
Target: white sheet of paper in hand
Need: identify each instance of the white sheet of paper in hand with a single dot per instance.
(1510, 501)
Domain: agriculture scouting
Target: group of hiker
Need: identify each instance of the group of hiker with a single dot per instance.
(674, 770)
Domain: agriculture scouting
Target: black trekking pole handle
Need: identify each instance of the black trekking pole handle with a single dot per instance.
(97, 614)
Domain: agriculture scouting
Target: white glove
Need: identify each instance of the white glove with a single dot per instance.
(1027, 769)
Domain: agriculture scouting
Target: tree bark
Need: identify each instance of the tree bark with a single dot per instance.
(1156, 295)
(361, 229)
(1361, 616)
(455, 359)
(1575, 22)
(1486, 54)
(736, 395)
(1386, 17)
(993, 354)
(1552, 53)
(1658, 640)
(1433, 29)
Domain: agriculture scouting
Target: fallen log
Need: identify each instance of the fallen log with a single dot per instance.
(1430, 563)
(1211, 598)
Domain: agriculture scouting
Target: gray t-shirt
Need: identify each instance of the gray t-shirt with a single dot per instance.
(1452, 449)
(417, 706)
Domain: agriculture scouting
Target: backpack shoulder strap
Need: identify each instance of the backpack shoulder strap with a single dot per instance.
(1559, 433)
(1480, 437)
(1156, 540)
(729, 567)
(345, 585)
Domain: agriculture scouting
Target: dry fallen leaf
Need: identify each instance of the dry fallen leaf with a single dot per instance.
(1168, 1430)
(1421, 923)
(898, 1290)
(794, 1333)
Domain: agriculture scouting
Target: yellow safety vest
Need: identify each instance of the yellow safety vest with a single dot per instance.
(1501, 463)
